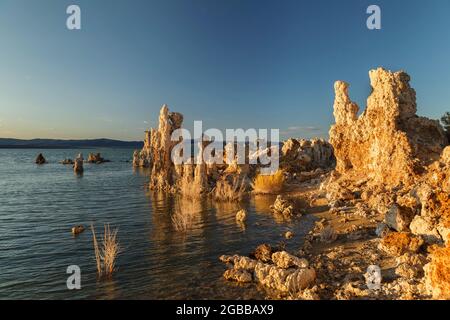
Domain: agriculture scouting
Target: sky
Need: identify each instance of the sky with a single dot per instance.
(230, 63)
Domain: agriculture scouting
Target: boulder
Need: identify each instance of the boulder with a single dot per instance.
(399, 217)
(263, 253)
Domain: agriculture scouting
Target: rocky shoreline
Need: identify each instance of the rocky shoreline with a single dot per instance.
(380, 189)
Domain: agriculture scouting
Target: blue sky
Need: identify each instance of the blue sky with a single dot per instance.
(230, 63)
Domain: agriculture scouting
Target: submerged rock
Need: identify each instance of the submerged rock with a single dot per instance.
(77, 229)
(241, 215)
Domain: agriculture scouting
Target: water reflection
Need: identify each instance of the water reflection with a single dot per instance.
(157, 262)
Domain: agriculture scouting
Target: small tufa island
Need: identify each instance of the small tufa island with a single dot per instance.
(383, 178)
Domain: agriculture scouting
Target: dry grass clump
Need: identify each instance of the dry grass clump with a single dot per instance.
(437, 272)
(185, 213)
(105, 256)
(268, 184)
(398, 243)
(188, 188)
(229, 189)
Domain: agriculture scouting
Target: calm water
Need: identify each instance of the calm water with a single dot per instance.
(40, 204)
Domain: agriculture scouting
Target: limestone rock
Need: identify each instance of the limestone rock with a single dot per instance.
(410, 265)
(388, 143)
(399, 243)
(399, 217)
(283, 207)
(437, 273)
(284, 260)
(239, 262)
(299, 155)
(284, 280)
(293, 276)
(242, 276)
(164, 175)
(263, 253)
(425, 227)
(96, 158)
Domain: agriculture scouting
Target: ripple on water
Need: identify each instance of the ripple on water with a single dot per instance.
(40, 204)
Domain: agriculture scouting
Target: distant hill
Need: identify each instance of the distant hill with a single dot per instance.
(66, 144)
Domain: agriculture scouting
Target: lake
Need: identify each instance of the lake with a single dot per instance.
(40, 204)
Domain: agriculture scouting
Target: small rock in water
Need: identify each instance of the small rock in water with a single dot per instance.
(66, 161)
(78, 165)
(77, 229)
(241, 215)
(40, 159)
(96, 158)
(289, 235)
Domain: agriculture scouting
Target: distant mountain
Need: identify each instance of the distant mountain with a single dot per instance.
(65, 144)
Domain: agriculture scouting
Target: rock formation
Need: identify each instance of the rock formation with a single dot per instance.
(298, 155)
(399, 165)
(78, 164)
(283, 207)
(388, 143)
(287, 274)
(164, 175)
(95, 158)
(40, 159)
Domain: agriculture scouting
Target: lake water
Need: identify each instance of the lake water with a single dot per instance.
(40, 204)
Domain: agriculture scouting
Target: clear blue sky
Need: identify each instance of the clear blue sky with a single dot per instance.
(230, 63)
